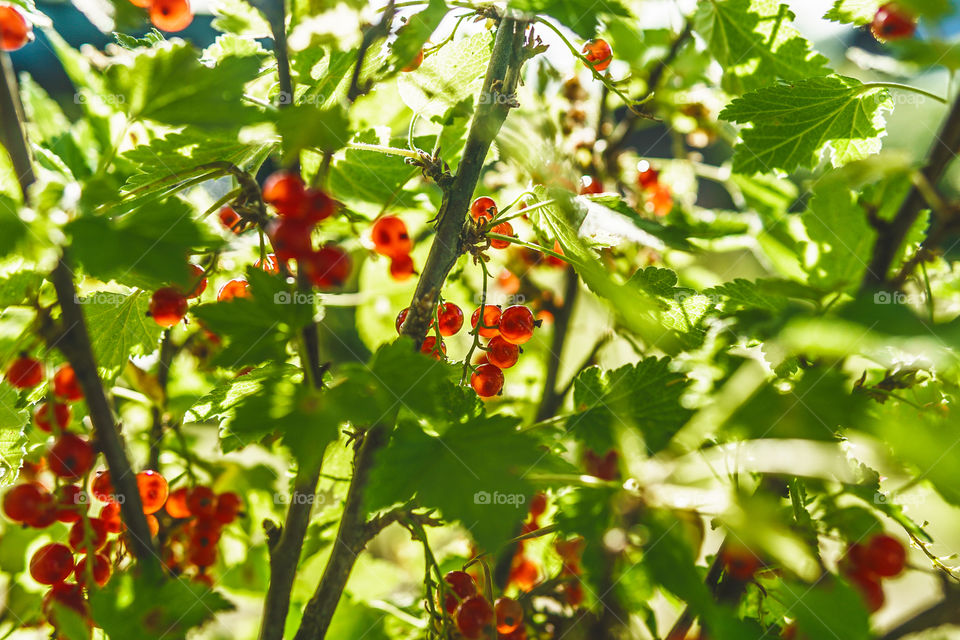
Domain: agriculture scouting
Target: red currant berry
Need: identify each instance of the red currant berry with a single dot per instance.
(462, 585)
(415, 63)
(228, 506)
(868, 584)
(605, 468)
(390, 237)
(153, 525)
(168, 306)
(429, 347)
(892, 23)
(177, 503)
(473, 615)
(70, 457)
(110, 517)
(739, 562)
(573, 593)
(508, 282)
(203, 556)
(491, 321)
(171, 15)
(885, 556)
(401, 268)
(504, 229)
(65, 594)
(236, 288)
(449, 319)
(102, 488)
(65, 384)
(25, 372)
(24, 501)
(538, 504)
(100, 568)
(72, 501)
(269, 265)
(197, 280)
(51, 563)
(661, 200)
(502, 353)
(598, 54)
(82, 541)
(647, 176)
(230, 219)
(509, 614)
(328, 267)
(290, 238)
(516, 324)
(45, 416)
(153, 490)
(590, 185)
(14, 30)
(524, 573)
(487, 380)
(202, 502)
(317, 206)
(554, 261)
(401, 317)
(483, 209)
(285, 191)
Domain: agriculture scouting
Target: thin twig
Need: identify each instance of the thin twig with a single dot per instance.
(167, 351)
(551, 400)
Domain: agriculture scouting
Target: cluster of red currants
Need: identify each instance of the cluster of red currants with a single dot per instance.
(865, 565)
(524, 573)
(199, 515)
(391, 239)
(15, 32)
(892, 22)
(449, 321)
(656, 196)
(598, 53)
(570, 552)
(472, 612)
(506, 330)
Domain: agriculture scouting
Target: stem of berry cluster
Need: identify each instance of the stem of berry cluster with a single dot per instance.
(72, 339)
(285, 545)
(891, 234)
(499, 85)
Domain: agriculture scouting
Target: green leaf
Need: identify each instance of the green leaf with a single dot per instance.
(368, 177)
(167, 83)
(240, 18)
(308, 127)
(793, 123)
(353, 619)
(12, 229)
(825, 610)
(138, 248)
(744, 294)
(817, 407)
(132, 606)
(119, 327)
(658, 281)
(219, 402)
(17, 287)
(475, 474)
(755, 43)
(858, 12)
(415, 33)
(13, 422)
(581, 18)
(645, 396)
(453, 74)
